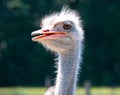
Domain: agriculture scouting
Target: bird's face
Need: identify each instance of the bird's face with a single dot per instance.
(57, 34)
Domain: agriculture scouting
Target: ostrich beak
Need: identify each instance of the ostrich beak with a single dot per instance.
(47, 34)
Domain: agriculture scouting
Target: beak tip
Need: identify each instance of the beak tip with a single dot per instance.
(33, 40)
(35, 33)
(32, 34)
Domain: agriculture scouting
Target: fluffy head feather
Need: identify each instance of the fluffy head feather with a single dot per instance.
(66, 14)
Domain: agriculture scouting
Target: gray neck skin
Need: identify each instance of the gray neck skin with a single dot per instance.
(68, 66)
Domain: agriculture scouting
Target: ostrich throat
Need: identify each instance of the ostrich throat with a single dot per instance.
(68, 66)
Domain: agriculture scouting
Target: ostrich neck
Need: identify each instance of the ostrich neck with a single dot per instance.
(68, 66)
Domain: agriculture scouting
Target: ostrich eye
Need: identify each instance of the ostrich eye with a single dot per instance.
(66, 26)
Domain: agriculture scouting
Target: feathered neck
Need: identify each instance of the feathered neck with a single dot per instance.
(68, 66)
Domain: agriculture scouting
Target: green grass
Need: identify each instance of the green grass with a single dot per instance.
(22, 91)
(41, 91)
(99, 91)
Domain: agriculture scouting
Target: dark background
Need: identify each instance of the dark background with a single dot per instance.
(25, 63)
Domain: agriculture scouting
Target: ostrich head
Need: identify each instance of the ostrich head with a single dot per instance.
(59, 31)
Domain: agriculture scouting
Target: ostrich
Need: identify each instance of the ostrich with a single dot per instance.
(62, 33)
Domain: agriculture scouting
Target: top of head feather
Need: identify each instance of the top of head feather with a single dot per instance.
(66, 14)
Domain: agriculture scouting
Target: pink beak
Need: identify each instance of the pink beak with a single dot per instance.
(47, 34)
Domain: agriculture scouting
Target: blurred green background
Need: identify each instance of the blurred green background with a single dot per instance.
(25, 63)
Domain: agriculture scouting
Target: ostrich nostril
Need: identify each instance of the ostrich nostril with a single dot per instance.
(46, 30)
